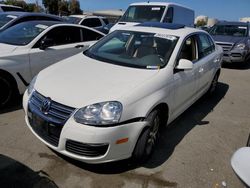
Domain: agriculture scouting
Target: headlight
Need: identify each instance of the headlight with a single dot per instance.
(100, 113)
(240, 46)
(31, 85)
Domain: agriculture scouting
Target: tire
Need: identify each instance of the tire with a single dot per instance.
(213, 85)
(8, 90)
(146, 143)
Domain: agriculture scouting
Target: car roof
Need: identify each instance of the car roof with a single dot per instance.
(45, 22)
(157, 4)
(178, 30)
(23, 14)
(233, 23)
(4, 5)
(85, 16)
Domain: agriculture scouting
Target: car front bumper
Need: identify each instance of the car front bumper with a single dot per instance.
(76, 140)
(235, 56)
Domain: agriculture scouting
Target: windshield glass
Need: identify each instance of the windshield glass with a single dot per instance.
(143, 14)
(73, 20)
(134, 49)
(230, 30)
(22, 34)
(5, 18)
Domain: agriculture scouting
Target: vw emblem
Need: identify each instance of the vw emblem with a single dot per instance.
(46, 105)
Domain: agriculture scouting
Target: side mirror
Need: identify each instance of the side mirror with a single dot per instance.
(184, 64)
(45, 43)
(240, 164)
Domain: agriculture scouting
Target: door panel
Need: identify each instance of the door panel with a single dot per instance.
(40, 59)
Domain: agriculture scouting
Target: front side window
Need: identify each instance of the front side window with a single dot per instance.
(134, 49)
(22, 34)
(189, 49)
(230, 30)
(6, 18)
(64, 35)
(143, 14)
(206, 46)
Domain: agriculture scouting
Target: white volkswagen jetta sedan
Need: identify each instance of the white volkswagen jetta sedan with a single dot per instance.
(29, 47)
(108, 103)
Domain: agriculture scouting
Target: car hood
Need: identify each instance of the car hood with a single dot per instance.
(6, 48)
(229, 39)
(79, 81)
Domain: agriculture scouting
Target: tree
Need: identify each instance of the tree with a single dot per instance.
(74, 7)
(201, 23)
(63, 8)
(51, 6)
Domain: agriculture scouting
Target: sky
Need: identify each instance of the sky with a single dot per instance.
(230, 10)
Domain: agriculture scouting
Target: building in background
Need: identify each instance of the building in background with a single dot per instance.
(211, 22)
(246, 19)
(112, 15)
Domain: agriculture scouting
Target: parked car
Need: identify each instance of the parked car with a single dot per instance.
(10, 19)
(96, 22)
(234, 38)
(108, 103)
(28, 47)
(240, 163)
(155, 12)
(7, 8)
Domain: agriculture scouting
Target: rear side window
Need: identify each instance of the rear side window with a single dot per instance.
(169, 16)
(91, 22)
(89, 35)
(206, 45)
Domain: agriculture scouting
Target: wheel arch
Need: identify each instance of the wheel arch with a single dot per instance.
(10, 77)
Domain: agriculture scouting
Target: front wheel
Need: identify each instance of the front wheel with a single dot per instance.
(7, 91)
(148, 138)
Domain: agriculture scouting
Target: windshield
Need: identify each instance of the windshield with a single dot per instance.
(5, 18)
(74, 20)
(22, 34)
(143, 14)
(134, 49)
(230, 30)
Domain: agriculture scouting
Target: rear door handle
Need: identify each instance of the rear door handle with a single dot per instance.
(79, 46)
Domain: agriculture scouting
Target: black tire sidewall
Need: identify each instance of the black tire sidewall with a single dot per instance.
(11, 88)
(139, 153)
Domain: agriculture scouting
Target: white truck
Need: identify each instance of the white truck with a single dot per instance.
(155, 12)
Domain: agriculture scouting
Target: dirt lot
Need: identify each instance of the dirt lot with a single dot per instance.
(193, 152)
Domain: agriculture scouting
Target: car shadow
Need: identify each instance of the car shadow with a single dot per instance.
(16, 174)
(14, 105)
(170, 137)
(239, 66)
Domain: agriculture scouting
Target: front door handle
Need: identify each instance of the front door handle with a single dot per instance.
(79, 46)
(201, 70)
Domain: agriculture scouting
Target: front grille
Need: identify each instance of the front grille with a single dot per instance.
(225, 46)
(48, 125)
(83, 149)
